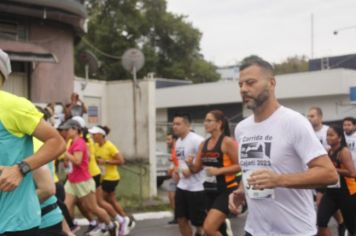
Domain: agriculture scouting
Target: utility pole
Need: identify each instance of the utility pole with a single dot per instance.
(312, 36)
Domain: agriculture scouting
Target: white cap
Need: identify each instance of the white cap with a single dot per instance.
(80, 120)
(97, 130)
(5, 66)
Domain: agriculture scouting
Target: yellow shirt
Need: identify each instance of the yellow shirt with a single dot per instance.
(94, 169)
(106, 152)
(23, 118)
(55, 177)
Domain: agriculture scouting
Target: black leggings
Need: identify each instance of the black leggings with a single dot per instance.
(60, 194)
(334, 199)
(30, 232)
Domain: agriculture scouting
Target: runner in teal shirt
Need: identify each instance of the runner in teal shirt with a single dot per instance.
(19, 120)
(19, 209)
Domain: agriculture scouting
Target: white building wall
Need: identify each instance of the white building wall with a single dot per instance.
(333, 107)
(328, 89)
(94, 94)
(134, 135)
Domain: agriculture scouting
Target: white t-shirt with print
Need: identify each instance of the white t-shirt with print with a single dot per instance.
(351, 143)
(321, 134)
(286, 143)
(184, 147)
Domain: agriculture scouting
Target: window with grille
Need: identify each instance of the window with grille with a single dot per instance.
(11, 30)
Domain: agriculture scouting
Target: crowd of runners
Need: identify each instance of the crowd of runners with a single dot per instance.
(33, 200)
(296, 174)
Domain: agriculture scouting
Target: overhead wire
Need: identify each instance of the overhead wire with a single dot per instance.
(100, 51)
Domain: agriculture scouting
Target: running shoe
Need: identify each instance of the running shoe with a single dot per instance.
(122, 227)
(75, 228)
(99, 232)
(114, 230)
(132, 223)
(90, 229)
(126, 228)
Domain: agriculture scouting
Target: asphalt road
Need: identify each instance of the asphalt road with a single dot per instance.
(159, 227)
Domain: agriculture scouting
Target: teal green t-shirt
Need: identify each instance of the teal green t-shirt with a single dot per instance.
(19, 209)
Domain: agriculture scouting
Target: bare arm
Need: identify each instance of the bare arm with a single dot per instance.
(117, 159)
(321, 172)
(349, 169)
(45, 187)
(84, 107)
(236, 199)
(76, 158)
(53, 146)
(229, 147)
(195, 165)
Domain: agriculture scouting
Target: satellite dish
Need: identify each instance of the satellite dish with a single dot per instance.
(88, 58)
(133, 60)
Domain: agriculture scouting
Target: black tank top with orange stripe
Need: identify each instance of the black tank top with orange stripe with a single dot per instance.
(216, 158)
(347, 184)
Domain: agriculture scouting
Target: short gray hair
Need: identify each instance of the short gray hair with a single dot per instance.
(257, 61)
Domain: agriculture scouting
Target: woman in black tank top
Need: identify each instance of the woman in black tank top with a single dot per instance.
(218, 156)
(342, 195)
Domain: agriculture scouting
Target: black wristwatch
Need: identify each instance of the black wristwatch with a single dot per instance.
(24, 168)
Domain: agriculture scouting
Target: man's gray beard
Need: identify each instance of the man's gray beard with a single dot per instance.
(259, 100)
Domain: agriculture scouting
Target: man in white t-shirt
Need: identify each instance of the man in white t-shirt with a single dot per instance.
(190, 195)
(348, 125)
(281, 160)
(315, 116)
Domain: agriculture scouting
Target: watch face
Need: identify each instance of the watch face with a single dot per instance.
(24, 167)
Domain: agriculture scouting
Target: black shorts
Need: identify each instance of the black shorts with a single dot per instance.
(109, 186)
(332, 200)
(30, 232)
(219, 200)
(190, 205)
(97, 180)
(54, 230)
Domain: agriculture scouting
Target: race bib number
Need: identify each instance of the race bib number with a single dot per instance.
(255, 193)
(210, 182)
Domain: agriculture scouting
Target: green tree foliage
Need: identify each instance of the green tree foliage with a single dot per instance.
(170, 44)
(292, 65)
